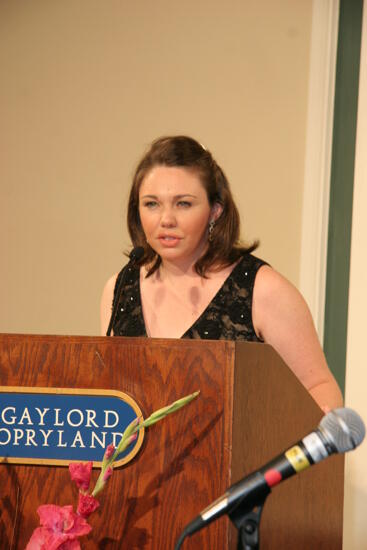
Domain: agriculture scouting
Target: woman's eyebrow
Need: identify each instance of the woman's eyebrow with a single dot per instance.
(174, 197)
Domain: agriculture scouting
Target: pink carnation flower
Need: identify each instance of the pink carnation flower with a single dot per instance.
(60, 529)
(81, 472)
(87, 504)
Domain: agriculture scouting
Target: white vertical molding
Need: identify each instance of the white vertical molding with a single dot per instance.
(315, 210)
(355, 501)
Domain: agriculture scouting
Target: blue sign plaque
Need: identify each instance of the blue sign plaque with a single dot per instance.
(62, 425)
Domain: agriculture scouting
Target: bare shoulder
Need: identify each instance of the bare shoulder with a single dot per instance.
(273, 294)
(106, 303)
(267, 280)
(110, 284)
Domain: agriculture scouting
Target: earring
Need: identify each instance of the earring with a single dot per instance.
(211, 229)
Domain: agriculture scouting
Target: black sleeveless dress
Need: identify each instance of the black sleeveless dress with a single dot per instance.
(227, 317)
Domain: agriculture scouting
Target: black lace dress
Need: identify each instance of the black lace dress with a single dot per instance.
(227, 317)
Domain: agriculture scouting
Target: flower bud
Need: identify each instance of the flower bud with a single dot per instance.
(109, 451)
(107, 474)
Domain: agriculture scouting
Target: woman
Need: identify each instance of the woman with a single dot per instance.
(195, 280)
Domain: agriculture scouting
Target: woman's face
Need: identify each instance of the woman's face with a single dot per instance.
(175, 213)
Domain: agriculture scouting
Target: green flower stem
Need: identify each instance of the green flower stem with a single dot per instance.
(133, 428)
(162, 413)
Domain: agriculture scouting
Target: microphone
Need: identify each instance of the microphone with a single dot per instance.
(135, 255)
(341, 430)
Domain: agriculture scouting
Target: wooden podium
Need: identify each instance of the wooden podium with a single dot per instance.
(251, 408)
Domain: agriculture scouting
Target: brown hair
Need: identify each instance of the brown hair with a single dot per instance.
(224, 248)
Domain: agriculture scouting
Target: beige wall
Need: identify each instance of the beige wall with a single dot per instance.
(86, 85)
(355, 525)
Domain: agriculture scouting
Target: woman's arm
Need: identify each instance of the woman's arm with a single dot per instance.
(282, 319)
(106, 303)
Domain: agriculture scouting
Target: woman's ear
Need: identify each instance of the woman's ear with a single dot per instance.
(216, 211)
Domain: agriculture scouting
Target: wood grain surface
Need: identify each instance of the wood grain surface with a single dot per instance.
(250, 408)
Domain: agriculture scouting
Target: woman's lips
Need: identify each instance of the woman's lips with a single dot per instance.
(169, 240)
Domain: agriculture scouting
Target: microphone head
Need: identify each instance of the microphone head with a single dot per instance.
(343, 428)
(136, 253)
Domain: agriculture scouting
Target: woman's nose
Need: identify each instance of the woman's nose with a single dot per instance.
(168, 218)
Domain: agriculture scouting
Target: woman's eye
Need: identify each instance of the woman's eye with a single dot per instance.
(184, 204)
(150, 204)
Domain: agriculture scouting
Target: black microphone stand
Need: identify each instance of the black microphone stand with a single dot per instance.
(245, 516)
(248, 525)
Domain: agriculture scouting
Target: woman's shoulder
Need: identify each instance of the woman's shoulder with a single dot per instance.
(277, 304)
(110, 284)
(106, 302)
(272, 284)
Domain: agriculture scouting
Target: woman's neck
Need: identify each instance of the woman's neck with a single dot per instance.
(172, 269)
